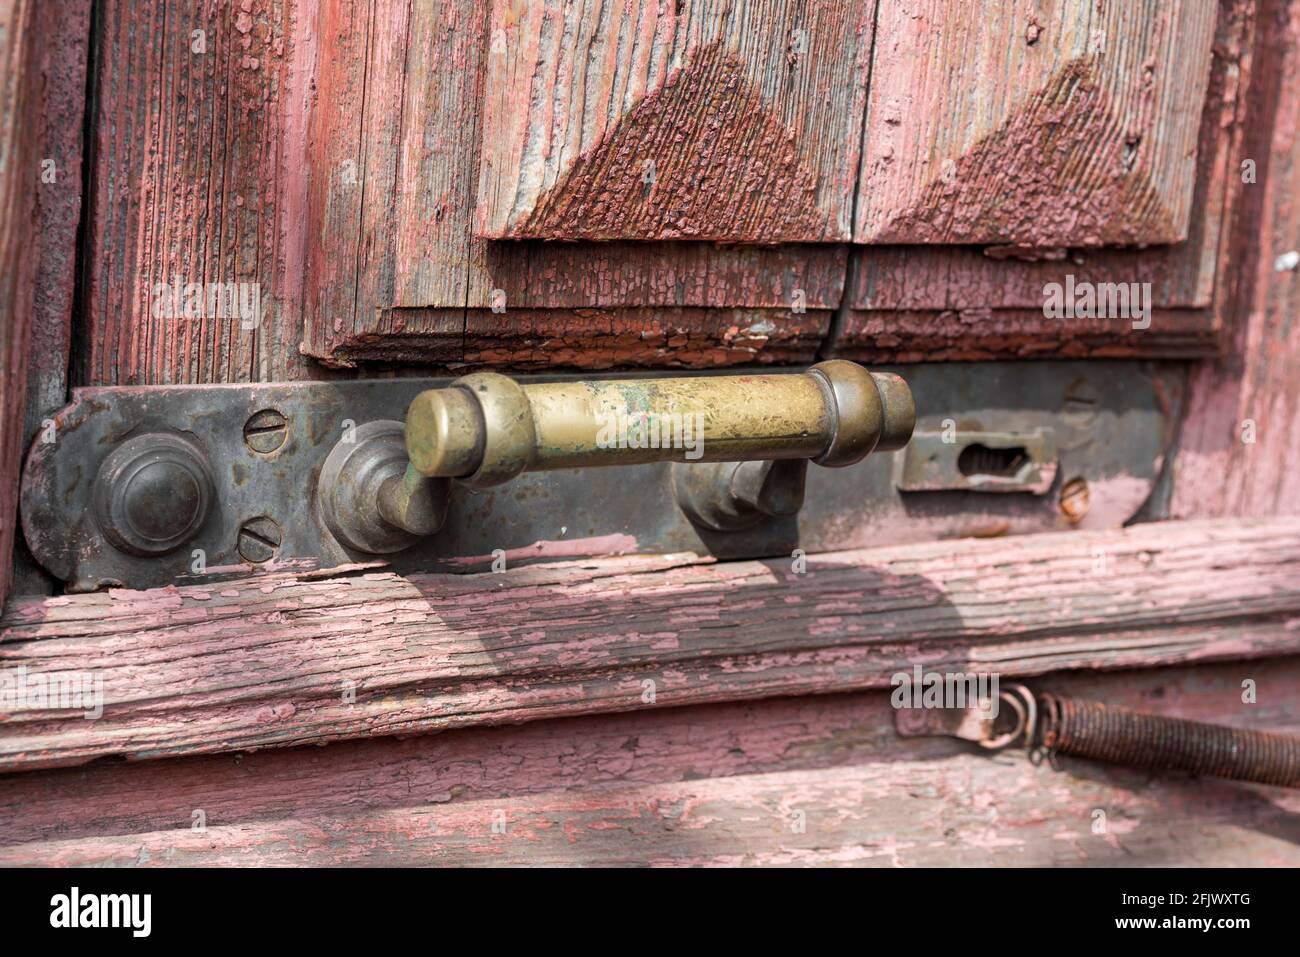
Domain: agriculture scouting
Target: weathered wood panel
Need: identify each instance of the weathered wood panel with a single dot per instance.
(198, 176)
(403, 141)
(61, 49)
(634, 119)
(204, 165)
(1240, 444)
(279, 660)
(62, 40)
(599, 338)
(942, 291)
(966, 811)
(791, 780)
(1060, 123)
(913, 302)
(648, 747)
(20, 172)
(383, 115)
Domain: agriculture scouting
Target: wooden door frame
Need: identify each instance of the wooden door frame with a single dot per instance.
(202, 674)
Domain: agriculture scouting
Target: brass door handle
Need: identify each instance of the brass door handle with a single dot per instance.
(485, 429)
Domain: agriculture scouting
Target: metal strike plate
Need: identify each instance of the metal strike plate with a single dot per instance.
(956, 459)
(262, 448)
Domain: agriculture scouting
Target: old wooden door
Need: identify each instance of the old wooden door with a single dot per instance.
(1069, 225)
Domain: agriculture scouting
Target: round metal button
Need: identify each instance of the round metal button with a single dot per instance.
(153, 493)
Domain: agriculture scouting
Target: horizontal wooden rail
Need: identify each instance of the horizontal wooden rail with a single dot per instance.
(282, 660)
(1025, 816)
(816, 779)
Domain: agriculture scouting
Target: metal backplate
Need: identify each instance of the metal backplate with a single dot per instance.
(979, 461)
(1110, 423)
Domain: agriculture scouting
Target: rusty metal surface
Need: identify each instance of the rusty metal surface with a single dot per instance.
(1112, 422)
(1048, 724)
(364, 496)
(730, 496)
(1090, 729)
(978, 461)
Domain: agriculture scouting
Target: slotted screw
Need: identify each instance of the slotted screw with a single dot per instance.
(259, 539)
(265, 431)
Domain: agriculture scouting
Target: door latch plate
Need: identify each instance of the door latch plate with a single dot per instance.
(264, 446)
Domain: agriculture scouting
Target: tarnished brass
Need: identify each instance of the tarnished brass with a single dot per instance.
(730, 496)
(486, 428)
(369, 496)
(332, 485)
(753, 436)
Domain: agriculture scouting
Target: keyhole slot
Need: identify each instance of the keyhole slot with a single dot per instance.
(978, 459)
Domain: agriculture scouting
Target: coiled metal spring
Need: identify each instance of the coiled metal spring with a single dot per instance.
(1107, 733)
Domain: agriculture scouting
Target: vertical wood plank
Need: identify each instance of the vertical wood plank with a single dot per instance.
(61, 50)
(1240, 443)
(435, 181)
(19, 176)
(392, 174)
(62, 43)
(386, 79)
(197, 102)
(338, 173)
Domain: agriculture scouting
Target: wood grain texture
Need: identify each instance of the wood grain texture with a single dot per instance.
(62, 41)
(200, 169)
(354, 147)
(61, 49)
(647, 748)
(395, 132)
(598, 338)
(198, 174)
(913, 302)
(270, 661)
(1061, 123)
(791, 780)
(633, 119)
(983, 334)
(402, 141)
(1240, 444)
(990, 814)
(649, 304)
(19, 179)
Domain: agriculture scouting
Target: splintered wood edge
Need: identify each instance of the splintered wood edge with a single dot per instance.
(275, 660)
